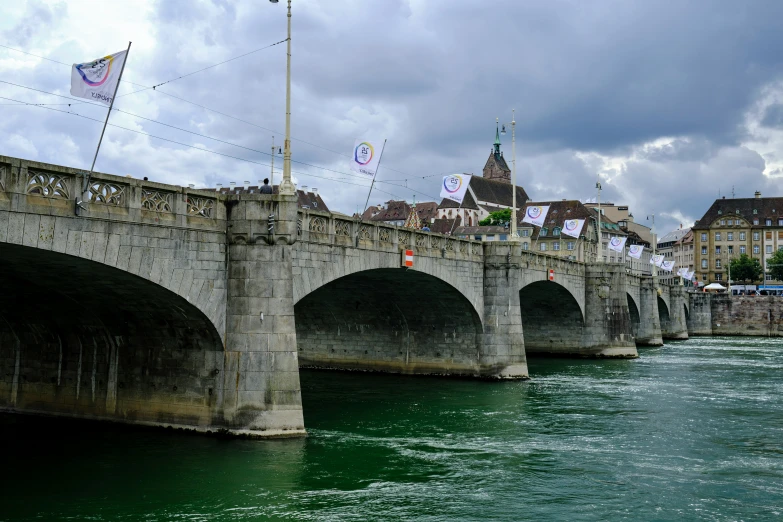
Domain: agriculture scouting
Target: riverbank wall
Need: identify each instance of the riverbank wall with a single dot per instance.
(721, 314)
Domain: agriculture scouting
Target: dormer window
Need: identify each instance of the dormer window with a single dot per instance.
(315, 204)
(755, 211)
(544, 231)
(720, 212)
(556, 231)
(736, 211)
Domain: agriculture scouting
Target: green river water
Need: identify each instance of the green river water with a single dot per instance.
(690, 431)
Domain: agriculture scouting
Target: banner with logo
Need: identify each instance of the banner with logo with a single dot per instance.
(365, 157)
(656, 259)
(635, 251)
(667, 265)
(689, 275)
(97, 80)
(617, 244)
(682, 272)
(536, 215)
(573, 227)
(455, 186)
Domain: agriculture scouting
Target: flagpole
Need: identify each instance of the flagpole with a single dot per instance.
(106, 121)
(373, 178)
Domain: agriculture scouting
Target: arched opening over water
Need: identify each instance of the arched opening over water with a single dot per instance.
(390, 319)
(552, 321)
(633, 311)
(687, 313)
(663, 315)
(83, 339)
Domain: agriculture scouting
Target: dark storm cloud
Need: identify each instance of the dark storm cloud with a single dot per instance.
(773, 116)
(431, 76)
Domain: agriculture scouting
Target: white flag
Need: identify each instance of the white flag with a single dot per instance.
(656, 259)
(97, 80)
(455, 186)
(690, 275)
(682, 272)
(366, 155)
(617, 244)
(635, 251)
(535, 215)
(573, 227)
(667, 265)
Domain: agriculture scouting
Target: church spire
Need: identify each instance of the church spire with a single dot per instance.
(497, 137)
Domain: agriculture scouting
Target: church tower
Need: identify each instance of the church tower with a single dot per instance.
(496, 167)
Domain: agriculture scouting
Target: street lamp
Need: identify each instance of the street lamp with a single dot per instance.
(599, 243)
(287, 187)
(513, 173)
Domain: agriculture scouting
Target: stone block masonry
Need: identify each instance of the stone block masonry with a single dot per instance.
(720, 314)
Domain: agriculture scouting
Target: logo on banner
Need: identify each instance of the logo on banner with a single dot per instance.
(571, 225)
(635, 251)
(616, 242)
(452, 184)
(363, 153)
(534, 212)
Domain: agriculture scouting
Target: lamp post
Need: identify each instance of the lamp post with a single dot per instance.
(654, 245)
(286, 186)
(513, 173)
(599, 244)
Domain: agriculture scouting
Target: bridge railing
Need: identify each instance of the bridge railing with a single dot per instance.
(31, 186)
(327, 228)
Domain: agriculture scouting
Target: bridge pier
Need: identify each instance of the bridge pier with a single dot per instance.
(261, 393)
(502, 351)
(676, 327)
(650, 326)
(607, 331)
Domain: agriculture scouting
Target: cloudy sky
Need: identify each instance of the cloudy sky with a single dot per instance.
(668, 103)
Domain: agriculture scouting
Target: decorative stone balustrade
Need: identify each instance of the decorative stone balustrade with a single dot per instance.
(326, 228)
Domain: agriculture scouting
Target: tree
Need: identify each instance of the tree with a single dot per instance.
(775, 264)
(746, 269)
(499, 217)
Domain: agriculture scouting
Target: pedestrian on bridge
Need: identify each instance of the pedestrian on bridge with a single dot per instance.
(265, 189)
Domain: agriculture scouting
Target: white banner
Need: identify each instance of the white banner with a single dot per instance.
(617, 244)
(535, 215)
(656, 259)
(365, 158)
(635, 251)
(97, 80)
(573, 227)
(455, 186)
(667, 265)
(690, 275)
(682, 272)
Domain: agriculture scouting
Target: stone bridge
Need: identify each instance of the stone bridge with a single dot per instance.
(163, 305)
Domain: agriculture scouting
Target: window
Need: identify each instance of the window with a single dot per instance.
(525, 233)
(525, 246)
(769, 249)
(556, 231)
(723, 222)
(704, 236)
(717, 263)
(542, 247)
(780, 235)
(717, 236)
(731, 249)
(719, 277)
(503, 237)
(729, 236)
(768, 277)
(768, 222)
(780, 222)
(704, 250)
(755, 221)
(731, 222)
(544, 231)
(756, 236)
(556, 245)
(704, 263)
(490, 237)
(742, 236)
(755, 249)
(570, 245)
(755, 211)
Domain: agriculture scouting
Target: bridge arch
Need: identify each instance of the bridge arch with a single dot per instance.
(80, 336)
(317, 265)
(388, 319)
(633, 311)
(664, 315)
(552, 318)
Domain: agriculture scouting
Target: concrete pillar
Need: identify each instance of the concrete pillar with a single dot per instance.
(700, 317)
(677, 327)
(607, 330)
(261, 395)
(650, 322)
(502, 350)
